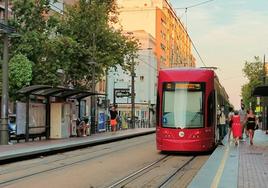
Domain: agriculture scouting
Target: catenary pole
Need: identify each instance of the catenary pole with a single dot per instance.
(132, 93)
(4, 137)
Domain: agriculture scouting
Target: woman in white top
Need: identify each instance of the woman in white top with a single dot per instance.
(222, 123)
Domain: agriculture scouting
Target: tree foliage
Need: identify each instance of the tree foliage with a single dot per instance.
(35, 28)
(20, 73)
(88, 24)
(69, 42)
(253, 71)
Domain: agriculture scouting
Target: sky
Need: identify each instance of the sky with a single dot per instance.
(227, 33)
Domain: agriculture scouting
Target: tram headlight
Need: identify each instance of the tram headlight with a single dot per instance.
(167, 136)
(196, 135)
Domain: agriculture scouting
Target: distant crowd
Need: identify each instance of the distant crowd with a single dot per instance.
(237, 123)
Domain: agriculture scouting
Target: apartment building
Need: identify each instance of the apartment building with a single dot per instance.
(157, 17)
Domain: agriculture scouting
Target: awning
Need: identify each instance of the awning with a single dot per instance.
(261, 91)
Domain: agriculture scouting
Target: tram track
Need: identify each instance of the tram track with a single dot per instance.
(135, 162)
(61, 161)
(148, 172)
(173, 175)
(136, 173)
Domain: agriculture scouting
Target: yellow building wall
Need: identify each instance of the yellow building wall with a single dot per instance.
(138, 19)
(158, 18)
(178, 42)
(173, 46)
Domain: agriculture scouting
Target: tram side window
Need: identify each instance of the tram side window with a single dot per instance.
(211, 109)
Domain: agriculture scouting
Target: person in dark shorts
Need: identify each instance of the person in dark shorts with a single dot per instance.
(113, 120)
(230, 115)
(251, 124)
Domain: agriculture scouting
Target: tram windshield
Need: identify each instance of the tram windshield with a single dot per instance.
(183, 105)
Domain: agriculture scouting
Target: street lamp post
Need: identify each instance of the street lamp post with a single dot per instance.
(133, 75)
(264, 105)
(4, 136)
(93, 98)
(132, 93)
(148, 83)
(149, 91)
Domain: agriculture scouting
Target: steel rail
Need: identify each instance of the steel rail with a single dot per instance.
(137, 172)
(165, 183)
(5, 182)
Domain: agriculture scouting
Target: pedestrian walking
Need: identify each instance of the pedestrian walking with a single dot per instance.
(243, 118)
(113, 118)
(229, 120)
(251, 125)
(236, 127)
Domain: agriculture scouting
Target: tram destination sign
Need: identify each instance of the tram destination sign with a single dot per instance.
(122, 92)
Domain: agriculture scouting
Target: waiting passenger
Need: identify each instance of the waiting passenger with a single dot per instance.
(113, 120)
(82, 128)
(222, 123)
(230, 115)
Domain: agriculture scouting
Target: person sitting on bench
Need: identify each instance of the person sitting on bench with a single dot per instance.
(82, 127)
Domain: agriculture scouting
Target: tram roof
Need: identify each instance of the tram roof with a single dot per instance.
(189, 69)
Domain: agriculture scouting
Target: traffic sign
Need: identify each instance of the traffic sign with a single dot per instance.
(122, 92)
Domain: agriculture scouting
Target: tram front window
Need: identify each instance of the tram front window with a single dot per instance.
(183, 105)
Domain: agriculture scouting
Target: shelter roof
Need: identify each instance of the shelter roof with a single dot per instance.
(61, 92)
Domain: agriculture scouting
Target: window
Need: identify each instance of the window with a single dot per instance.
(211, 109)
(183, 105)
(162, 59)
(163, 47)
(141, 78)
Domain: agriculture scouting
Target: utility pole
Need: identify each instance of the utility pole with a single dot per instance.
(93, 98)
(4, 102)
(132, 93)
(264, 71)
(93, 102)
(264, 107)
(149, 86)
(106, 91)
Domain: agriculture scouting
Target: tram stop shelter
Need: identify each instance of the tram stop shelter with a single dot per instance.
(49, 94)
(262, 91)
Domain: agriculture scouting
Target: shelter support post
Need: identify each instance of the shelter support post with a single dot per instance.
(79, 108)
(27, 118)
(48, 117)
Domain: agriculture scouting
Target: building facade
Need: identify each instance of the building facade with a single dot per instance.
(145, 83)
(158, 18)
(155, 24)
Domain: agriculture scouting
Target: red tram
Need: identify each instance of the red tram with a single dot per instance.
(187, 102)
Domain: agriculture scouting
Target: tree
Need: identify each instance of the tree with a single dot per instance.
(35, 28)
(253, 71)
(88, 23)
(69, 42)
(20, 73)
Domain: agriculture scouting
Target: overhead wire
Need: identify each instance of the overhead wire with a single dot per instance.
(57, 8)
(150, 66)
(201, 59)
(195, 5)
(186, 8)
